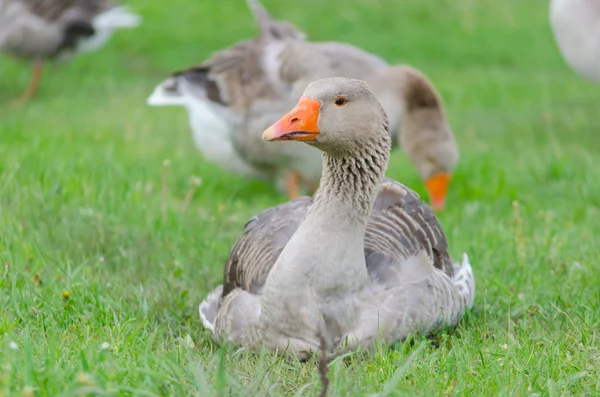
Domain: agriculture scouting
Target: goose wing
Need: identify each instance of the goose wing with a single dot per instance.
(400, 226)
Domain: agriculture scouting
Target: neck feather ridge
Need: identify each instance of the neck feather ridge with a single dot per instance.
(352, 180)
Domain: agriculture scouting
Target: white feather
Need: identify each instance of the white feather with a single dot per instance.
(163, 96)
(105, 24)
(465, 280)
(212, 125)
(271, 64)
(576, 28)
(205, 321)
(208, 308)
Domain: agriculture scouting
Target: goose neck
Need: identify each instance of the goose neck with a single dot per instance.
(350, 183)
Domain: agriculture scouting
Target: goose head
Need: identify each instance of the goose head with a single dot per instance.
(339, 116)
(419, 123)
(431, 147)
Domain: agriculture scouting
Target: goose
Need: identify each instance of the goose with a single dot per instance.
(42, 30)
(575, 25)
(240, 90)
(362, 259)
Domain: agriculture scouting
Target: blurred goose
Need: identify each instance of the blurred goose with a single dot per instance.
(240, 90)
(576, 28)
(362, 258)
(41, 30)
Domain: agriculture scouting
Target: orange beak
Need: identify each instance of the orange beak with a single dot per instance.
(298, 125)
(437, 186)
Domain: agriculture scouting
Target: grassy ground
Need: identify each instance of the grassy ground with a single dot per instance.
(81, 171)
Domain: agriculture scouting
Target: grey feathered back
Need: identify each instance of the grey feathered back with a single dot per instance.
(48, 29)
(235, 76)
(51, 10)
(232, 76)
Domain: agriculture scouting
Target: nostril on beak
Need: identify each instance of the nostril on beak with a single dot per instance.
(294, 120)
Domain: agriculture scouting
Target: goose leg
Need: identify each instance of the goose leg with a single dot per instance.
(292, 184)
(38, 68)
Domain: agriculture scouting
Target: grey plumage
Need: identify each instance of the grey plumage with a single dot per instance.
(402, 237)
(47, 29)
(42, 30)
(364, 257)
(248, 84)
(400, 226)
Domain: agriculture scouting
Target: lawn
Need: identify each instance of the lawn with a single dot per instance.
(104, 263)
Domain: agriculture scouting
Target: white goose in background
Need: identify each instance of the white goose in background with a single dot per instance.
(42, 30)
(240, 90)
(363, 258)
(576, 28)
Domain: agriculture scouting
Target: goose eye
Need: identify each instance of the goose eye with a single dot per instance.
(340, 101)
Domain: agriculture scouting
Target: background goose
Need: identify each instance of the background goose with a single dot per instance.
(41, 30)
(359, 258)
(240, 90)
(576, 28)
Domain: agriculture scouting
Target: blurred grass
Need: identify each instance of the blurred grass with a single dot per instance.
(80, 210)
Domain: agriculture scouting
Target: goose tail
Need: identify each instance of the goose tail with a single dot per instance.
(465, 280)
(168, 93)
(105, 24)
(116, 18)
(209, 307)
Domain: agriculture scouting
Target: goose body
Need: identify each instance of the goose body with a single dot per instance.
(576, 28)
(248, 84)
(364, 257)
(41, 30)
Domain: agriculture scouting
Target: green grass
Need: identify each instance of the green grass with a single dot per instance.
(81, 210)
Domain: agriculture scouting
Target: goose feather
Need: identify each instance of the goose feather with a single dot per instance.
(363, 258)
(248, 83)
(41, 30)
(576, 28)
